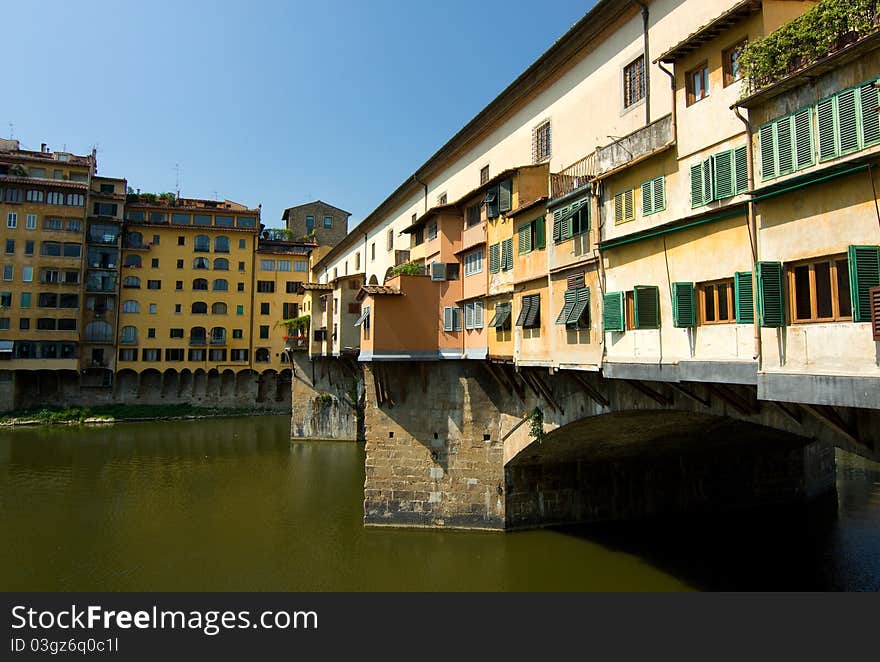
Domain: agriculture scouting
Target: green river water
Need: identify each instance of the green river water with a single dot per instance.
(233, 505)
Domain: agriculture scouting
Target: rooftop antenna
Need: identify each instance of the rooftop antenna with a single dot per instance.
(11, 132)
(177, 179)
(216, 197)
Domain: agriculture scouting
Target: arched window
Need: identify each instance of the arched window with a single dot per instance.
(200, 284)
(197, 336)
(374, 280)
(262, 355)
(133, 261)
(132, 281)
(221, 264)
(221, 244)
(131, 307)
(201, 263)
(202, 244)
(99, 331)
(134, 240)
(221, 285)
(200, 308)
(218, 335)
(129, 335)
(218, 308)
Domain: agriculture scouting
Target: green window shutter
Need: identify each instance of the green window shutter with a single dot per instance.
(613, 318)
(708, 195)
(507, 254)
(525, 239)
(864, 273)
(723, 175)
(744, 297)
(495, 258)
(696, 188)
(741, 169)
(784, 146)
(570, 301)
(659, 194)
(540, 233)
(558, 218)
(767, 138)
(684, 310)
(568, 227)
(648, 197)
(505, 196)
(827, 134)
(582, 303)
(771, 306)
(803, 139)
(848, 121)
(646, 302)
(870, 101)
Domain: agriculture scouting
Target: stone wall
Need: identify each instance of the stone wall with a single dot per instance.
(22, 390)
(327, 396)
(434, 452)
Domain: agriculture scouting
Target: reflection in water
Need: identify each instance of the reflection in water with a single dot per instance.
(232, 505)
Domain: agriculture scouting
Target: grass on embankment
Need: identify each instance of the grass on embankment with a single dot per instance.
(113, 413)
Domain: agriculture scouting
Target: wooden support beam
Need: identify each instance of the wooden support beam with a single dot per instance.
(522, 376)
(829, 416)
(685, 391)
(791, 411)
(732, 399)
(656, 396)
(423, 373)
(510, 375)
(377, 386)
(516, 427)
(487, 366)
(548, 393)
(594, 393)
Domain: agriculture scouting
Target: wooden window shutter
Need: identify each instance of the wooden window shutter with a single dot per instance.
(864, 274)
(456, 319)
(767, 139)
(784, 146)
(495, 258)
(646, 299)
(723, 183)
(558, 219)
(827, 133)
(741, 168)
(874, 295)
(744, 297)
(576, 281)
(447, 319)
(533, 316)
(696, 188)
(570, 302)
(613, 318)
(526, 305)
(708, 194)
(540, 233)
(618, 208)
(848, 121)
(507, 254)
(629, 205)
(478, 315)
(771, 300)
(684, 310)
(803, 139)
(659, 194)
(505, 196)
(648, 197)
(469, 316)
(870, 101)
(525, 239)
(582, 305)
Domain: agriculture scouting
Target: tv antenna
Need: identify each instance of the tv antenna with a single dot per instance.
(177, 179)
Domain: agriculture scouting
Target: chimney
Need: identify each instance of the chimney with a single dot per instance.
(43, 147)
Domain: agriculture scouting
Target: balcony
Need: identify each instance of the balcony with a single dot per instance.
(638, 145)
(198, 341)
(574, 177)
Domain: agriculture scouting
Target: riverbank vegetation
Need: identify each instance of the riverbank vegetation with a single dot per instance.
(119, 413)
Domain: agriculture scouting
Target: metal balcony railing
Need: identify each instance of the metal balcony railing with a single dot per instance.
(575, 176)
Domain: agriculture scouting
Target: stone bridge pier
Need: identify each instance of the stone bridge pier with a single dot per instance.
(479, 445)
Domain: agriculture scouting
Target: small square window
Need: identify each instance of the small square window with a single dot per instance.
(242, 243)
(241, 266)
(239, 310)
(153, 309)
(237, 334)
(181, 241)
(151, 333)
(328, 222)
(484, 175)
(154, 263)
(178, 285)
(698, 84)
(180, 264)
(264, 308)
(241, 287)
(177, 307)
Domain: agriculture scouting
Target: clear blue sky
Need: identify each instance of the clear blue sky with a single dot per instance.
(265, 102)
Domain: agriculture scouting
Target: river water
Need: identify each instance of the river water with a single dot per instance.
(233, 505)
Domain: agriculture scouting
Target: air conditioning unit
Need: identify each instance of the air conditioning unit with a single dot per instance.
(438, 271)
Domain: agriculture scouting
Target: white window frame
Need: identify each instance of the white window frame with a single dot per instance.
(30, 222)
(267, 265)
(27, 274)
(473, 263)
(12, 220)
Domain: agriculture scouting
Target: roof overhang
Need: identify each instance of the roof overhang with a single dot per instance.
(712, 30)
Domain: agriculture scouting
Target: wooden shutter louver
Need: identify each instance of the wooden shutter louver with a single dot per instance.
(874, 296)
(784, 147)
(570, 302)
(505, 196)
(864, 274)
(803, 139)
(612, 312)
(576, 281)
(827, 137)
(648, 197)
(724, 184)
(495, 258)
(646, 300)
(848, 122)
(768, 152)
(540, 233)
(696, 188)
(525, 239)
(771, 308)
(744, 297)
(684, 309)
(438, 271)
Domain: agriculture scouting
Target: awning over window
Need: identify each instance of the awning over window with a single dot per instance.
(364, 315)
